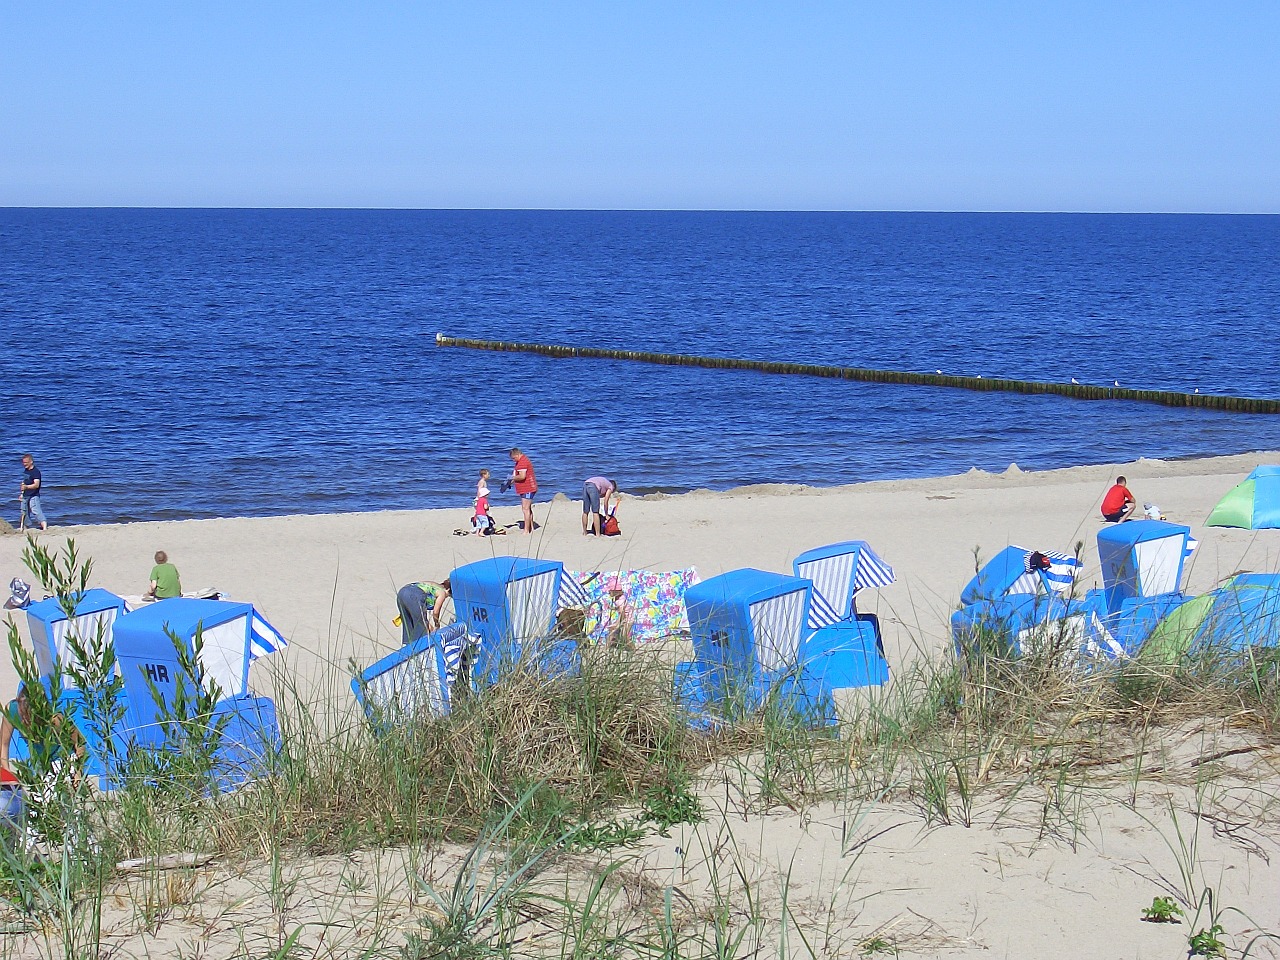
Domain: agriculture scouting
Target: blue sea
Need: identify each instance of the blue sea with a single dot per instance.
(165, 364)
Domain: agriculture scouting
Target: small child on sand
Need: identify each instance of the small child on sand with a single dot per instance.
(481, 522)
(616, 614)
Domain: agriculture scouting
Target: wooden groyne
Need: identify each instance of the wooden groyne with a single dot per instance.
(1077, 391)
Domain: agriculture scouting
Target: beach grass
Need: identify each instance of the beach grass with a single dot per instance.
(581, 816)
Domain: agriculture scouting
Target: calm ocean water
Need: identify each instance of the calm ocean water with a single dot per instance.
(167, 364)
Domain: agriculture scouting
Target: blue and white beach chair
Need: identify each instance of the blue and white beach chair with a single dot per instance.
(413, 682)
(1022, 599)
(845, 647)
(1143, 562)
(748, 627)
(95, 615)
(510, 604)
(233, 635)
(839, 571)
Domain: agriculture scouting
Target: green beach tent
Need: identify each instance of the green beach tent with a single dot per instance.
(1253, 504)
(1173, 636)
(1242, 613)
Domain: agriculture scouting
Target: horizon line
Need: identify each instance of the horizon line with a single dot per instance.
(822, 210)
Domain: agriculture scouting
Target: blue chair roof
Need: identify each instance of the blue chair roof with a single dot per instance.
(870, 569)
(743, 587)
(503, 569)
(1139, 531)
(996, 576)
(181, 614)
(90, 601)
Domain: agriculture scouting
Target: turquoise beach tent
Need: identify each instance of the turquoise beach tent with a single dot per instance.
(1242, 613)
(1253, 504)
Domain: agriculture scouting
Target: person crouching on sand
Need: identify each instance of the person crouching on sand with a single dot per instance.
(1119, 503)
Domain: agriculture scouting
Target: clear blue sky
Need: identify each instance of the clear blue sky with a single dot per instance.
(891, 105)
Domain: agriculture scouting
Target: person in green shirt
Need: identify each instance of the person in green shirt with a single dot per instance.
(164, 579)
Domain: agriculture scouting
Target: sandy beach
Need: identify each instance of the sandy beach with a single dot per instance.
(998, 888)
(328, 582)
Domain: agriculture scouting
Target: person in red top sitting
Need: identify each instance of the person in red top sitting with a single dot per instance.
(1118, 504)
(526, 485)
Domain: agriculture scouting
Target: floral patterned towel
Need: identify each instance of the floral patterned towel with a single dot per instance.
(653, 601)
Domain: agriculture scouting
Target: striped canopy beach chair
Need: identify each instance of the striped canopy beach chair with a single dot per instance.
(414, 681)
(1017, 600)
(838, 572)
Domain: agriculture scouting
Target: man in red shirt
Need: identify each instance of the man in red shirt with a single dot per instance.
(526, 485)
(1118, 504)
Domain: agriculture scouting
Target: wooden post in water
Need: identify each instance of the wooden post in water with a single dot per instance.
(1077, 391)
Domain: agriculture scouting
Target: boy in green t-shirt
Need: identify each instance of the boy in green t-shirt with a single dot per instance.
(164, 579)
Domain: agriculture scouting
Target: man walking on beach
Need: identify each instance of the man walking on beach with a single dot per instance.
(1118, 504)
(526, 485)
(30, 495)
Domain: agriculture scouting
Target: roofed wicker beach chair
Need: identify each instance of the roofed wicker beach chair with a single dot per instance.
(232, 635)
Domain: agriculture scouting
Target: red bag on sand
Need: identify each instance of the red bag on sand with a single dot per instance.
(610, 526)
